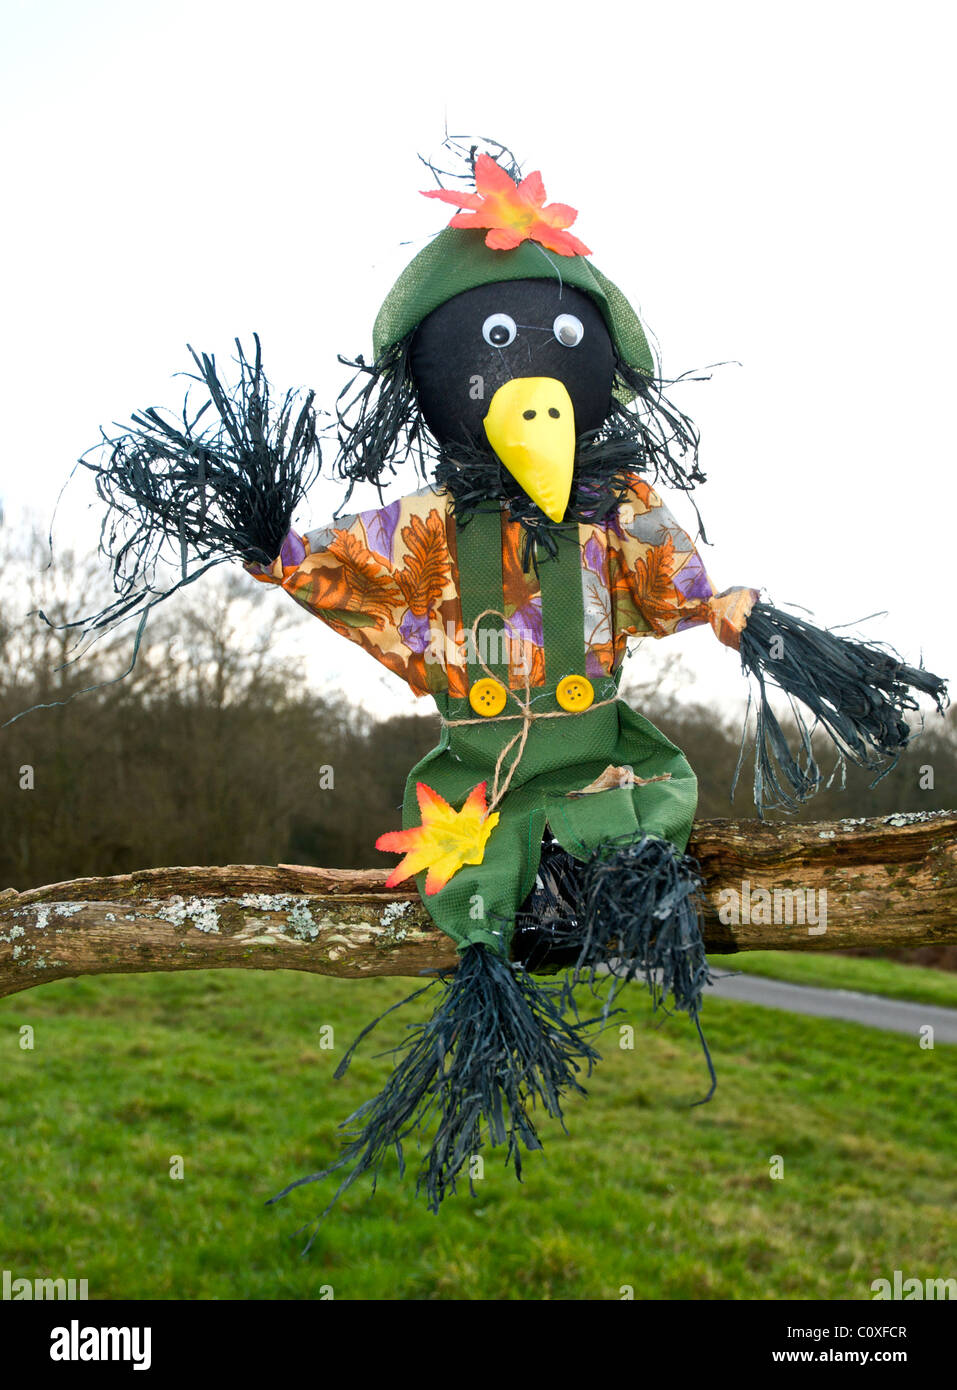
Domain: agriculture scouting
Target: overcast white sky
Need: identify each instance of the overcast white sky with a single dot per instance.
(770, 184)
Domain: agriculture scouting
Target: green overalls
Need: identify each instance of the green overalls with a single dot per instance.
(563, 755)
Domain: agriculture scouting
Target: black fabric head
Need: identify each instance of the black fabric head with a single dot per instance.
(427, 396)
(470, 346)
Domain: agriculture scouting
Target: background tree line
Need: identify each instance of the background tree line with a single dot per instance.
(211, 750)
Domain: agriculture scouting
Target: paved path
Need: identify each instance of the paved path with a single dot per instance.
(872, 1009)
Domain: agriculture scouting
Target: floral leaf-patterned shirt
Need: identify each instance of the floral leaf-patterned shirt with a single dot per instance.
(388, 580)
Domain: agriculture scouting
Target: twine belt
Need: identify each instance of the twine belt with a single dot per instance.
(526, 714)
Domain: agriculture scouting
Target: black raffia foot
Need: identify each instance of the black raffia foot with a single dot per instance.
(547, 936)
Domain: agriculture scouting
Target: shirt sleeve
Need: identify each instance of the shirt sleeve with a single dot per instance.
(336, 575)
(658, 581)
(381, 579)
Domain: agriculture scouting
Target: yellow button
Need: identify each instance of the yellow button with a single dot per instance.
(488, 697)
(574, 692)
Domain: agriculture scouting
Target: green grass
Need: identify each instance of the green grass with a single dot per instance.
(226, 1069)
(866, 975)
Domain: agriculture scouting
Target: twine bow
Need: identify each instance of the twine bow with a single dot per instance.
(526, 714)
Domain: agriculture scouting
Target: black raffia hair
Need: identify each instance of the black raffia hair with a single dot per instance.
(379, 420)
(462, 151)
(666, 440)
(381, 426)
(474, 477)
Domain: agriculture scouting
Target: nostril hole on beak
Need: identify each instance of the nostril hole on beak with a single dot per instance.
(528, 414)
(554, 413)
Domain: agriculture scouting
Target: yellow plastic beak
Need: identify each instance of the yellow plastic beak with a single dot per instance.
(531, 426)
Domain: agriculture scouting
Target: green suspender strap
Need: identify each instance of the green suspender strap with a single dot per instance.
(591, 737)
(481, 587)
(606, 735)
(563, 610)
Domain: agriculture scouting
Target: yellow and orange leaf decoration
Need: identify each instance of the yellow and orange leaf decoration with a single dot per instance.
(444, 841)
(512, 212)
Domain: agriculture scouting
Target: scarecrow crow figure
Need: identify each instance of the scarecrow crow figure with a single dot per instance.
(549, 826)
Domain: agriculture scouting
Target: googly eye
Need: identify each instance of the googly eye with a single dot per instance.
(568, 330)
(499, 330)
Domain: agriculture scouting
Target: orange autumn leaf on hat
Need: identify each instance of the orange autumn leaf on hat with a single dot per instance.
(512, 212)
(444, 841)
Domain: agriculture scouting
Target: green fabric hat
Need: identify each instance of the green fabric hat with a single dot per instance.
(458, 259)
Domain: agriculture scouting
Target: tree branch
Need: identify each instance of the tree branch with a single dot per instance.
(888, 882)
